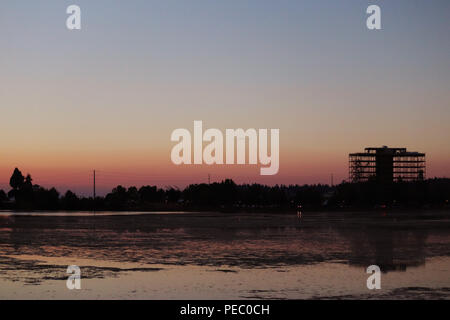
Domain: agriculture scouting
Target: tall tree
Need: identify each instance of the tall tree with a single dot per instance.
(17, 180)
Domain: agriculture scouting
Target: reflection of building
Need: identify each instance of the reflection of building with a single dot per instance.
(393, 242)
(390, 249)
(386, 165)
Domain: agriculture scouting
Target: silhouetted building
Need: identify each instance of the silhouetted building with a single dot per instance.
(386, 165)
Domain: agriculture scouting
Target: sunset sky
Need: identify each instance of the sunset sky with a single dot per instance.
(108, 96)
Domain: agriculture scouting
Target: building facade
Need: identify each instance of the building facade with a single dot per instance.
(386, 165)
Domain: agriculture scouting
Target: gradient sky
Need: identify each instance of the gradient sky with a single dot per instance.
(107, 97)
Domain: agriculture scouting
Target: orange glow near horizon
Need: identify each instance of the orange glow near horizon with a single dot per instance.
(108, 97)
(65, 171)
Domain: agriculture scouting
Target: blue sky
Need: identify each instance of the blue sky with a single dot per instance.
(139, 69)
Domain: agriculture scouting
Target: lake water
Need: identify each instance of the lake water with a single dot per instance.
(224, 255)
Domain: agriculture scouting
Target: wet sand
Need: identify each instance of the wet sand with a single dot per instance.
(225, 256)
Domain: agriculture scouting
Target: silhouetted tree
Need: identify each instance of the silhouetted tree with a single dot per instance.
(17, 179)
(132, 196)
(173, 195)
(22, 189)
(70, 201)
(151, 194)
(117, 199)
(228, 195)
(44, 199)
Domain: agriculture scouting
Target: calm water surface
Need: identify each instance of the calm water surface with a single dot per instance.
(225, 255)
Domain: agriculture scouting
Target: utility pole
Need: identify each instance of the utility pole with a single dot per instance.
(209, 178)
(94, 194)
(332, 180)
(94, 184)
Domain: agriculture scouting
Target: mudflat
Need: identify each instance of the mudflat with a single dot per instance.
(225, 255)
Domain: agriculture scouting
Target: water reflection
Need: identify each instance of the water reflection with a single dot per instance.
(247, 241)
(391, 249)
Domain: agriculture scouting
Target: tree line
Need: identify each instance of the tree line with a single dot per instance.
(227, 195)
